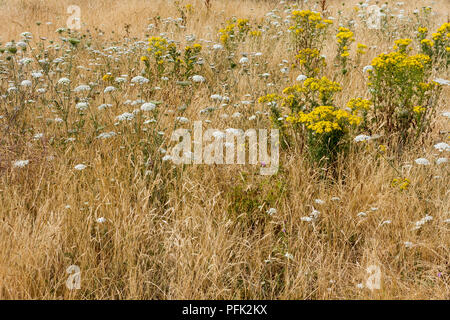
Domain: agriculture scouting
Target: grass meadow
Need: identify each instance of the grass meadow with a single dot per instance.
(359, 207)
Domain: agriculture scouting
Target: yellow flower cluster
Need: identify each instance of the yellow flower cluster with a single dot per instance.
(270, 98)
(442, 31)
(398, 60)
(427, 42)
(325, 119)
(402, 45)
(194, 48)
(235, 28)
(158, 46)
(310, 61)
(344, 34)
(422, 30)
(107, 77)
(308, 29)
(359, 104)
(401, 183)
(325, 87)
(242, 25)
(226, 33)
(310, 17)
(306, 55)
(418, 109)
(344, 39)
(361, 48)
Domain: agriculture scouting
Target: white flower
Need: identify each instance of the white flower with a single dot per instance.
(319, 201)
(367, 68)
(63, 81)
(422, 221)
(104, 106)
(385, 222)
(441, 160)
(25, 61)
(166, 158)
(442, 82)
(408, 244)
(125, 116)
(80, 167)
(198, 78)
(82, 87)
(217, 47)
(361, 137)
(314, 214)
(301, 77)
(26, 83)
(38, 136)
(148, 106)
(216, 97)
(36, 74)
(289, 256)
(20, 163)
(271, 211)
(109, 89)
(360, 286)
(442, 146)
(182, 119)
(26, 35)
(243, 60)
(307, 219)
(422, 161)
(101, 220)
(106, 135)
(139, 80)
(446, 114)
(361, 214)
(82, 106)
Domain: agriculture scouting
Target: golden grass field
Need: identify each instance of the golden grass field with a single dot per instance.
(142, 228)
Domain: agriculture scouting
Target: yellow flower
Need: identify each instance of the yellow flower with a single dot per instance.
(361, 48)
(107, 77)
(422, 30)
(418, 109)
(436, 36)
(401, 183)
(326, 119)
(427, 42)
(359, 104)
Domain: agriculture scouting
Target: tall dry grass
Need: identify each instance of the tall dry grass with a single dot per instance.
(184, 233)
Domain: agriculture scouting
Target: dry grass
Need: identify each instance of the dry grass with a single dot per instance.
(182, 233)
